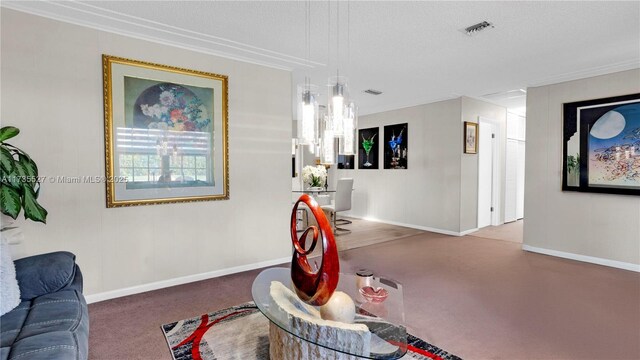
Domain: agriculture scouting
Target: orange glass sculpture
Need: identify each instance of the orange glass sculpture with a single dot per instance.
(314, 287)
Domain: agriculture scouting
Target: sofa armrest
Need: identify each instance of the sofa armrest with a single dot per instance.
(46, 273)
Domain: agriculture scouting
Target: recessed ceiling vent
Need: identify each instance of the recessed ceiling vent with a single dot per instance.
(373, 92)
(474, 29)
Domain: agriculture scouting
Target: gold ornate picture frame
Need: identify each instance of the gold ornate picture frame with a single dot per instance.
(166, 133)
(470, 138)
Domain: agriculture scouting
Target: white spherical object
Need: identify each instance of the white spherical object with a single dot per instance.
(339, 308)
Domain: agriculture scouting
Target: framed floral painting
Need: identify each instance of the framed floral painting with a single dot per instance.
(165, 133)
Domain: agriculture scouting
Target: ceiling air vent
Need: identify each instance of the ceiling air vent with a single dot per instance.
(373, 92)
(474, 29)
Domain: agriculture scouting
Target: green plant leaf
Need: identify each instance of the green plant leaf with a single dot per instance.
(29, 167)
(9, 201)
(8, 132)
(6, 160)
(20, 169)
(33, 210)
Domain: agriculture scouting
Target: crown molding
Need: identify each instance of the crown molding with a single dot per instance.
(91, 16)
(386, 107)
(587, 73)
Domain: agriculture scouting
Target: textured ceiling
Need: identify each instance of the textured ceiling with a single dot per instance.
(413, 51)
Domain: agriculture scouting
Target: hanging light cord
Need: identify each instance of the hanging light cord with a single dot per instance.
(308, 41)
(338, 38)
(349, 35)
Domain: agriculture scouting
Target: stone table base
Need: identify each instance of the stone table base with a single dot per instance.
(305, 320)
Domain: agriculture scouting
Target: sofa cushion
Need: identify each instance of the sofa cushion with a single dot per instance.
(53, 345)
(12, 322)
(46, 273)
(56, 327)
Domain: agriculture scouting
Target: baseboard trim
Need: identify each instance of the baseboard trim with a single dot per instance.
(584, 258)
(467, 232)
(411, 226)
(107, 295)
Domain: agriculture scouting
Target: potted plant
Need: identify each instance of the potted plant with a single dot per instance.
(19, 181)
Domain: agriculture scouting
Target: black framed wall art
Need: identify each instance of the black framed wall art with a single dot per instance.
(346, 162)
(601, 145)
(396, 145)
(368, 140)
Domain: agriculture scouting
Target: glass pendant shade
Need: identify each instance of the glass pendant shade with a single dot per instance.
(327, 143)
(307, 114)
(349, 140)
(338, 93)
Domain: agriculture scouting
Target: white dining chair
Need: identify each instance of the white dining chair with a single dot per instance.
(341, 202)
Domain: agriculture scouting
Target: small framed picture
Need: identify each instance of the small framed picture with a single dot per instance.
(470, 137)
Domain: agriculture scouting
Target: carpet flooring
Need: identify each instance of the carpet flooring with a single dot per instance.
(512, 231)
(478, 298)
(365, 233)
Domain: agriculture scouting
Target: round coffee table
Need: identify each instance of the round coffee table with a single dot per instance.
(384, 335)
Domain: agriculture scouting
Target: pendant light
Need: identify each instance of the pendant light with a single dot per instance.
(327, 142)
(338, 95)
(349, 129)
(307, 97)
(342, 111)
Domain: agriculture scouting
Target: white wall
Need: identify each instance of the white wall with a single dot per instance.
(52, 91)
(603, 226)
(427, 194)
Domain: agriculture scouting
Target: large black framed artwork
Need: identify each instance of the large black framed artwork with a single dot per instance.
(396, 145)
(601, 145)
(368, 140)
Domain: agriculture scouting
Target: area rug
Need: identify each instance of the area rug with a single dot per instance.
(242, 332)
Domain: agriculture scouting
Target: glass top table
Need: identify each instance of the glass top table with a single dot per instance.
(385, 320)
(313, 191)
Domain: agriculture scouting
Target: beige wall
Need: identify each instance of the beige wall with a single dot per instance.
(598, 225)
(439, 190)
(52, 91)
(427, 194)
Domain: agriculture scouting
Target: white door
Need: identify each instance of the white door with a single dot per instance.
(511, 182)
(520, 181)
(485, 174)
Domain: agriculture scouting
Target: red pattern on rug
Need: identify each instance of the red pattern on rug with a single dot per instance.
(196, 337)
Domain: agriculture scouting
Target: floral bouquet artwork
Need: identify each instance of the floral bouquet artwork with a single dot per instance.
(168, 106)
(314, 176)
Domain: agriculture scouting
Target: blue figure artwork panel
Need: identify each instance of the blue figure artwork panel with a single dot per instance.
(396, 146)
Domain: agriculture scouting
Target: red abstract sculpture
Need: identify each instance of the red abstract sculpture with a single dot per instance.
(314, 288)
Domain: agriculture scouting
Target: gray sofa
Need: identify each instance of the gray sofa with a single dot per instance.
(52, 321)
